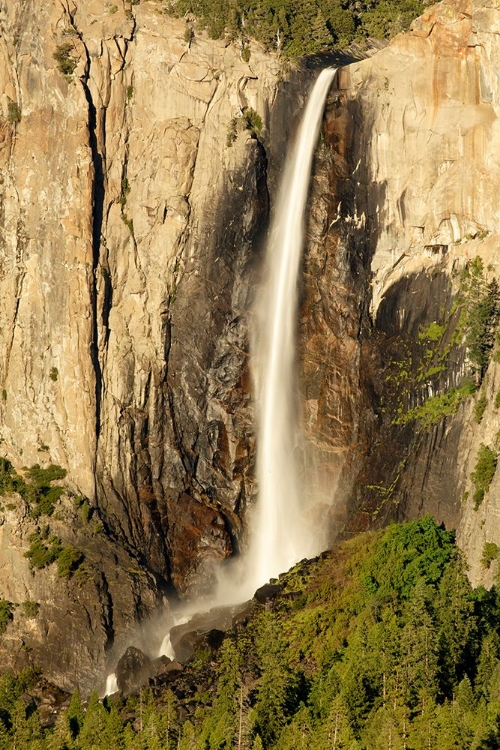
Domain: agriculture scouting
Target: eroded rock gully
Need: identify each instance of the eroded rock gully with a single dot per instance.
(129, 250)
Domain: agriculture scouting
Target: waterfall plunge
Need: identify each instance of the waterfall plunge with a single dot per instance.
(279, 535)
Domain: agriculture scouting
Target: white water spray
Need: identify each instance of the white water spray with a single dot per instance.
(166, 648)
(279, 535)
(111, 685)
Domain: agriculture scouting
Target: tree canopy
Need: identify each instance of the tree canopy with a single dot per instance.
(381, 643)
(299, 27)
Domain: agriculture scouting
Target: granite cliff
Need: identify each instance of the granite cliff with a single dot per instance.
(413, 132)
(127, 232)
(136, 184)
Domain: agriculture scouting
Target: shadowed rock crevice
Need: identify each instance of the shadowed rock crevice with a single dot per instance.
(97, 214)
(357, 394)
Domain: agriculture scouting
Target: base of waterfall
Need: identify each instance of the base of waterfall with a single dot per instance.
(199, 632)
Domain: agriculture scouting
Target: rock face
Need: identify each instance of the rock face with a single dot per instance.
(412, 180)
(131, 225)
(122, 344)
(65, 625)
(112, 330)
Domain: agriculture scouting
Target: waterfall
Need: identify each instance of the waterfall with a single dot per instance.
(166, 648)
(278, 533)
(111, 685)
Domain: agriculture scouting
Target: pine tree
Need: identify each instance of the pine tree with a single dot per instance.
(494, 686)
(384, 644)
(323, 691)
(26, 729)
(60, 737)
(419, 648)
(480, 315)
(452, 732)
(93, 730)
(281, 30)
(113, 733)
(320, 34)
(233, 28)
(279, 688)
(170, 721)
(130, 740)
(35, 732)
(456, 627)
(187, 740)
(356, 695)
(488, 663)
(423, 730)
(75, 714)
(220, 729)
(9, 692)
(361, 681)
(464, 695)
(297, 734)
(5, 737)
(388, 729)
(309, 32)
(261, 25)
(336, 732)
(340, 21)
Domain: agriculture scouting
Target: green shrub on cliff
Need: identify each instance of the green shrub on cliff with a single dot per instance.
(5, 614)
(43, 550)
(435, 408)
(480, 315)
(419, 371)
(68, 560)
(30, 608)
(66, 63)
(46, 549)
(35, 487)
(385, 19)
(249, 120)
(491, 551)
(252, 121)
(483, 473)
(480, 408)
(10, 481)
(13, 113)
(39, 492)
(433, 332)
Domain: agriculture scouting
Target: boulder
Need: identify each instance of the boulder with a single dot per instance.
(267, 592)
(133, 671)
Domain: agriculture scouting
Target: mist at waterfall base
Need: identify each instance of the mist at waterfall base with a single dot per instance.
(279, 532)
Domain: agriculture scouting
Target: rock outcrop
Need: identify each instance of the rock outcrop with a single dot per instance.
(133, 671)
(64, 622)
